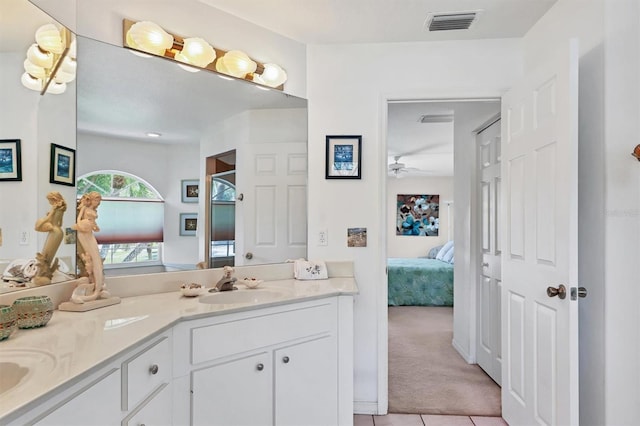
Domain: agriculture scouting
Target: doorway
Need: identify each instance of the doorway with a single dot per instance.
(423, 140)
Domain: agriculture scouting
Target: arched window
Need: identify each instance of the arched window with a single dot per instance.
(130, 217)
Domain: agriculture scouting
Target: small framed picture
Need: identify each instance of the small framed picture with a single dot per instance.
(63, 165)
(356, 237)
(10, 160)
(190, 190)
(188, 224)
(343, 157)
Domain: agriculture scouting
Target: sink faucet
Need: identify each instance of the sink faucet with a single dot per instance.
(227, 281)
(226, 284)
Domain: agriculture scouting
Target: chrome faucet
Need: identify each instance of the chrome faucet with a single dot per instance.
(226, 284)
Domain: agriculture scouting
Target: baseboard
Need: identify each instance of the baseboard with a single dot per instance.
(365, 407)
(464, 354)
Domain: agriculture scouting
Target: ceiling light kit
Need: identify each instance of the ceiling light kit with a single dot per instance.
(51, 61)
(195, 53)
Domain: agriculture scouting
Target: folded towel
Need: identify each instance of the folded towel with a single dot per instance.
(310, 270)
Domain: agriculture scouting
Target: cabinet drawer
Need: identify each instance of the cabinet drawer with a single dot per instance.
(156, 410)
(233, 337)
(145, 371)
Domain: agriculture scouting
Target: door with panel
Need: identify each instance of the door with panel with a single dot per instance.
(539, 260)
(272, 178)
(488, 348)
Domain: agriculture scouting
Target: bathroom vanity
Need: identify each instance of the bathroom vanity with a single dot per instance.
(278, 355)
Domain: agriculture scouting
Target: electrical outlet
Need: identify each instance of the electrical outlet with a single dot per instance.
(323, 237)
(24, 238)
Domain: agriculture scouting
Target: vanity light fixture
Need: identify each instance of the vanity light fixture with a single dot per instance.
(194, 53)
(51, 61)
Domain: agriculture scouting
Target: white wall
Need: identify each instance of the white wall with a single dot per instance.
(347, 90)
(412, 246)
(163, 166)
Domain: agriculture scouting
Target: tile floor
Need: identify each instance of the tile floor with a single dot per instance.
(425, 420)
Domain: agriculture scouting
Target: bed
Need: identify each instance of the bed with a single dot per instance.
(420, 282)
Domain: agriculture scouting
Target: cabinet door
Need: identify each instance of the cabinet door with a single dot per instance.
(97, 404)
(306, 383)
(238, 392)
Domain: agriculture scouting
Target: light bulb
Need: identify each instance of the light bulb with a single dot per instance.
(238, 64)
(31, 82)
(48, 38)
(149, 37)
(34, 70)
(56, 88)
(273, 75)
(37, 57)
(196, 51)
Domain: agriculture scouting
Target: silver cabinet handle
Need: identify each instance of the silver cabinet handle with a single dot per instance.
(485, 264)
(285, 359)
(260, 367)
(154, 369)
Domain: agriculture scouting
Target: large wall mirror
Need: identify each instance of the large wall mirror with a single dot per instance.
(37, 122)
(121, 97)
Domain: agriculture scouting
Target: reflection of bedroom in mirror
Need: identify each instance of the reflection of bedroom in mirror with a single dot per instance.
(424, 367)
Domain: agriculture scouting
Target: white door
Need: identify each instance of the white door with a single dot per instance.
(271, 218)
(540, 190)
(488, 349)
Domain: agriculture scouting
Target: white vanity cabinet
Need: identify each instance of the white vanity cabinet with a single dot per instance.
(133, 389)
(271, 366)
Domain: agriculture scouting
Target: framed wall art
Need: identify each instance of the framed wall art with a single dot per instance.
(190, 190)
(343, 159)
(418, 215)
(10, 160)
(188, 224)
(63, 165)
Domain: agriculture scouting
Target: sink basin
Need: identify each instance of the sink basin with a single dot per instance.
(243, 297)
(19, 365)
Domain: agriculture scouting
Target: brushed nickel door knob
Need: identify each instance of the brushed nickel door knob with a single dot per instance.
(561, 291)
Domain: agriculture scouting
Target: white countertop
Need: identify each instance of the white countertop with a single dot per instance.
(77, 343)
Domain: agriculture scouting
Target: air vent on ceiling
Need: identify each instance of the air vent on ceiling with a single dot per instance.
(451, 21)
(436, 118)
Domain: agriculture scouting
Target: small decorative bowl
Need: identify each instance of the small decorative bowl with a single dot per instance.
(33, 311)
(7, 321)
(192, 289)
(251, 282)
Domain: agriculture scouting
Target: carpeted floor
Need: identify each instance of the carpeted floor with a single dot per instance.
(426, 374)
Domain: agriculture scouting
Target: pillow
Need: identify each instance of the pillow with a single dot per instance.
(433, 252)
(445, 248)
(448, 255)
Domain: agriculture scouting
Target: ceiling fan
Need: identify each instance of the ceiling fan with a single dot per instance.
(397, 169)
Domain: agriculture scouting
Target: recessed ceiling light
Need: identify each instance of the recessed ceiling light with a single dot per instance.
(154, 134)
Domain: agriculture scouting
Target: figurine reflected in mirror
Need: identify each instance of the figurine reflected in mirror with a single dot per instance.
(47, 262)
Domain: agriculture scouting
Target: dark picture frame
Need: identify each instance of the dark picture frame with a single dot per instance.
(343, 157)
(188, 224)
(63, 165)
(10, 160)
(190, 190)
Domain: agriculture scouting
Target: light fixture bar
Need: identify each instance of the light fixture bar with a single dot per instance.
(178, 44)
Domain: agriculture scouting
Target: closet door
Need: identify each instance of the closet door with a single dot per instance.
(490, 284)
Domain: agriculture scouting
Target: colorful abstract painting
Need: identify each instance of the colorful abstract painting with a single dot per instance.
(418, 215)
